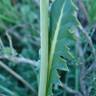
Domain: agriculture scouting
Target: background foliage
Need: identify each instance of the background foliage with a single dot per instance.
(20, 44)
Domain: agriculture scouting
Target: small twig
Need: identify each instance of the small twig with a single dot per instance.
(7, 90)
(17, 76)
(69, 90)
(82, 7)
(1, 43)
(89, 41)
(19, 60)
(10, 42)
(10, 31)
(82, 65)
(91, 68)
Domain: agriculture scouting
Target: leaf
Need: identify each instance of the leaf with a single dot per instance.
(62, 21)
(91, 9)
(8, 13)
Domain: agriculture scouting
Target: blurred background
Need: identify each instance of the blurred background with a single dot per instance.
(20, 44)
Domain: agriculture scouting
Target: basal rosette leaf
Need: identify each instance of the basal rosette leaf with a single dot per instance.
(62, 22)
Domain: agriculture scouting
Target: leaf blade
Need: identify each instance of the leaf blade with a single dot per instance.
(62, 21)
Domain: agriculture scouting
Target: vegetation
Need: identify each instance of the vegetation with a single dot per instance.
(47, 48)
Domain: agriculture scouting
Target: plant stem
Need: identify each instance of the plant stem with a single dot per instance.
(44, 46)
(76, 78)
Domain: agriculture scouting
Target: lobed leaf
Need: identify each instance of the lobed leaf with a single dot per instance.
(62, 21)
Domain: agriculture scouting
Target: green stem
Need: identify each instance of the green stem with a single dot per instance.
(44, 46)
(66, 82)
(77, 78)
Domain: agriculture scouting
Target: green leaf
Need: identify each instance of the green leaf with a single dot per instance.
(91, 9)
(62, 21)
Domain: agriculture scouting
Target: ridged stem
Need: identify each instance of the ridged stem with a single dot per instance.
(44, 46)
